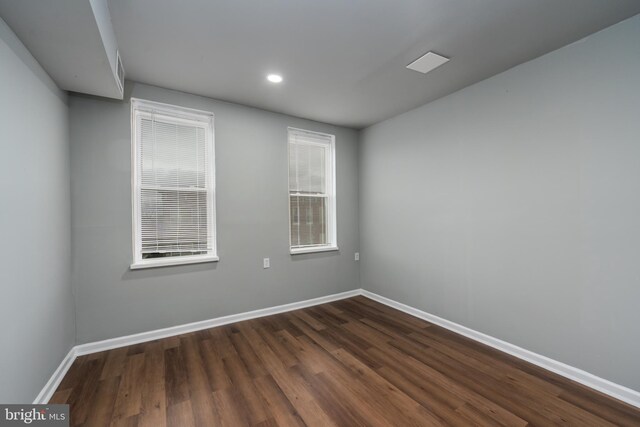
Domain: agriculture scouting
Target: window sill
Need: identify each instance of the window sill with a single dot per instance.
(310, 250)
(159, 262)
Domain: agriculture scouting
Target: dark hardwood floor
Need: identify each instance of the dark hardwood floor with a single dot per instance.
(348, 363)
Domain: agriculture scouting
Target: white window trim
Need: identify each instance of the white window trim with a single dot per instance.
(183, 260)
(175, 112)
(331, 199)
(313, 249)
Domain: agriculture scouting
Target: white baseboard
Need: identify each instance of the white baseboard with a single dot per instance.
(617, 391)
(612, 389)
(94, 347)
(45, 394)
(109, 344)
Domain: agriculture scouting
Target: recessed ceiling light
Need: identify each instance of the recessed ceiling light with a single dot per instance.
(274, 78)
(427, 62)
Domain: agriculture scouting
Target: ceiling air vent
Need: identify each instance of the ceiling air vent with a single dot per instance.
(427, 62)
(119, 72)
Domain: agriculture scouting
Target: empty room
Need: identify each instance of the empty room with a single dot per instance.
(320, 213)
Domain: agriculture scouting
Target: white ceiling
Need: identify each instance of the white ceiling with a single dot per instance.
(72, 40)
(343, 61)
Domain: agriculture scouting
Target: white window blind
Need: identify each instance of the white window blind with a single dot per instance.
(173, 185)
(311, 191)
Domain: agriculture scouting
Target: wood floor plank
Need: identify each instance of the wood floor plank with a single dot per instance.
(393, 313)
(176, 386)
(402, 407)
(204, 410)
(300, 393)
(249, 358)
(114, 363)
(154, 399)
(313, 334)
(277, 403)
(310, 320)
(278, 348)
(331, 308)
(180, 414)
(261, 348)
(229, 412)
(248, 397)
(61, 396)
(443, 397)
(356, 400)
(353, 362)
(222, 342)
(74, 376)
(83, 394)
(214, 366)
(237, 371)
(240, 379)
(626, 416)
(129, 399)
(476, 417)
(102, 412)
(396, 322)
(251, 402)
(439, 406)
(553, 406)
(362, 396)
(131, 421)
(491, 366)
(305, 350)
(326, 317)
(540, 405)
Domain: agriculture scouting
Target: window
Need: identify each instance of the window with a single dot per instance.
(173, 185)
(312, 192)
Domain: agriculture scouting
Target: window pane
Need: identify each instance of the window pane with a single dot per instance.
(172, 155)
(308, 220)
(173, 223)
(307, 168)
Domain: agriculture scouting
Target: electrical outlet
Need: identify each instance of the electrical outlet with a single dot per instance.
(357, 257)
(265, 263)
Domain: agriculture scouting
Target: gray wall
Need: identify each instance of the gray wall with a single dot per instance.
(513, 206)
(36, 307)
(252, 221)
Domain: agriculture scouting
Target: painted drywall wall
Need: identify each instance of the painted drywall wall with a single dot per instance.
(36, 307)
(252, 221)
(513, 206)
